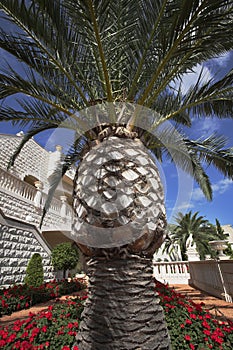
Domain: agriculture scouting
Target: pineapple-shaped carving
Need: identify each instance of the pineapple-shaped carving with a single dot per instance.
(118, 198)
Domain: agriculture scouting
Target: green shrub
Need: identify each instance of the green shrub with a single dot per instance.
(65, 257)
(34, 272)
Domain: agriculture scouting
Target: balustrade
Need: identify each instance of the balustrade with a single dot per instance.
(173, 272)
(214, 277)
(27, 193)
(10, 183)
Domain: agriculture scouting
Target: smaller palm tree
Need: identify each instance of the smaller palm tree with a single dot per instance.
(201, 230)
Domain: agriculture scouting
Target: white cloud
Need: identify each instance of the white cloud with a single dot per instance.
(185, 206)
(208, 126)
(222, 186)
(222, 60)
(190, 79)
(219, 187)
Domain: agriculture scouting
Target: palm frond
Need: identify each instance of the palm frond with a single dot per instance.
(70, 55)
(211, 151)
(72, 156)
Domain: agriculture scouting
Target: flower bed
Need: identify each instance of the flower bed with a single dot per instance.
(52, 329)
(21, 296)
(190, 326)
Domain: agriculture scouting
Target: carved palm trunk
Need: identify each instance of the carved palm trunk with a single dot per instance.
(119, 223)
(122, 311)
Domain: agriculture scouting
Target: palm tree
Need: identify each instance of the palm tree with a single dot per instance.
(197, 226)
(112, 71)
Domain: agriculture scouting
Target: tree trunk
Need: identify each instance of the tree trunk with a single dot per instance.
(122, 311)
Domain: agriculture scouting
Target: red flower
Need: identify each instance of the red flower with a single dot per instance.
(17, 345)
(188, 321)
(192, 346)
(206, 332)
(206, 324)
(48, 315)
(44, 329)
(193, 316)
(182, 325)
(217, 339)
(25, 345)
(189, 308)
(16, 327)
(24, 335)
(35, 331)
(11, 338)
(187, 337)
(2, 343)
(3, 334)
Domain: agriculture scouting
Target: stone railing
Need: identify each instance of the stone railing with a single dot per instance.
(10, 183)
(22, 201)
(175, 272)
(214, 277)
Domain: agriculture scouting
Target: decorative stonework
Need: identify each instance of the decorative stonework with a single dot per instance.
(17, 208)
(38, 156)
(18, 242)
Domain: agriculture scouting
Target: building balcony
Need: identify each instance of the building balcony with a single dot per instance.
(23, 201)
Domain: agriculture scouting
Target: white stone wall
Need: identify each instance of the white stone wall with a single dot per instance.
(18, 208)
(32, 160)
(17, 245)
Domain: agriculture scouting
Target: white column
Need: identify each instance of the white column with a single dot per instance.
(63, 206)
(54, 160)
(38, 196)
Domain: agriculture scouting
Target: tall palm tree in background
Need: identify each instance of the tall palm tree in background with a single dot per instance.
(112, 71)
(197, 226)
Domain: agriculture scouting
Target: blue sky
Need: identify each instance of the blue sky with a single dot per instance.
(181, 192)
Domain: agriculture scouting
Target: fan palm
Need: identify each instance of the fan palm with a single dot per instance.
(112, 72)
(197, 226)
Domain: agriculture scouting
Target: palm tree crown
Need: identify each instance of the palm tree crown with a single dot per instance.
(71, 55)
(196, 225)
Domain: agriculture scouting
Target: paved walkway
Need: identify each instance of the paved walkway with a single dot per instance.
(217, 307)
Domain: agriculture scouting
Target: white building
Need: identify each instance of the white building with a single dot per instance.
(228, 231)
(23, 191)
